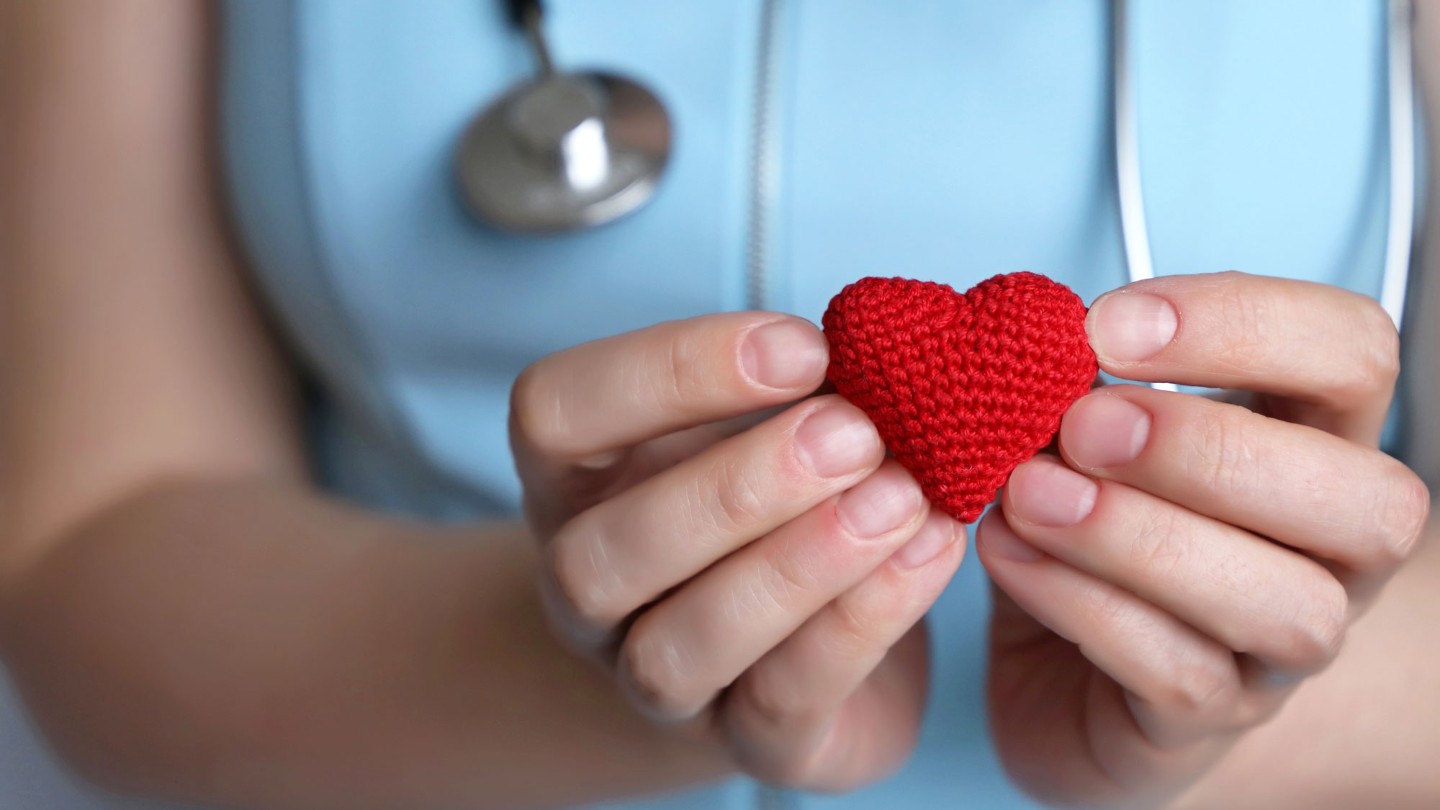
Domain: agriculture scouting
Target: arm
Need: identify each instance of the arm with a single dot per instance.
(184, 614)
(247, 643)
(187, 617)
(1369, 726)
(1193, 592)
(1362, 734)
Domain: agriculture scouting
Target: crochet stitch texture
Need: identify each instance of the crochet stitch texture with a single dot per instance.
(962, 388)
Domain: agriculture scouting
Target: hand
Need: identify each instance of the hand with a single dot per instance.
(754, 578)
(1167, 585)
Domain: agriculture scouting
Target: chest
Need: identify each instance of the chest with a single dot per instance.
(939, 139)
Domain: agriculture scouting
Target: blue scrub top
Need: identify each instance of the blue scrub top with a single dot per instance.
(936, 139)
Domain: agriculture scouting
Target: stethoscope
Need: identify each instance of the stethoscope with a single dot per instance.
(571, 150)
(564, 150)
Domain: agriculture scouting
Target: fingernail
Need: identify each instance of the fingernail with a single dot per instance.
(835, 440)
(1047, 493)
(1000, 541)
(935, 535)
(879, 504)
(1129, 326)
(783, 354)
(1105, 431)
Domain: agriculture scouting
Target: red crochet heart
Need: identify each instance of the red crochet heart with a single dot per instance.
(962, 388)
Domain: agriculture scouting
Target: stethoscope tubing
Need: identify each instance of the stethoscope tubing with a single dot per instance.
(611, 202)
(1400, 100)
(1400, 93)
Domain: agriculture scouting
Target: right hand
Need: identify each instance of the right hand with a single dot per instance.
(755, 578)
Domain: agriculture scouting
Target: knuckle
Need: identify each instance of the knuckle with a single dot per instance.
(535, 413)
(652, 672)
(777, 586)
(1204, 686)
(1205, 689)
(1373, 356)
(733, 499)
(677, 370)
(1404, 511)
(1156, 548)
(1225, 450)
(853, 632)
(1313, 638)
(770, 701)
(792, 580)
(1245, 317)
(1378, 365)
(1113, 608)
(576, 560)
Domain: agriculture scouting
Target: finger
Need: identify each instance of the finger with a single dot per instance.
(1250, 595)
(785, 714)
(1182, 685)
(551, 503)
(601, 397)
(1333, 355)
(1293, 484)
(680, 653)
(866, 739)
(623, 553)
(671, 449)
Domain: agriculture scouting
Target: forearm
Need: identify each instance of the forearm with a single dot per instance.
(263, 648)
(1364, 733)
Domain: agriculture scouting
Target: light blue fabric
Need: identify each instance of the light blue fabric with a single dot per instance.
(940, 139)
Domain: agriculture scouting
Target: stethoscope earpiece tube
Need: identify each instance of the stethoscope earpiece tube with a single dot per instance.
(1400, 98)
(1400, 92)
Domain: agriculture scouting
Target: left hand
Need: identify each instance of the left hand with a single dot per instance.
(1162, 590)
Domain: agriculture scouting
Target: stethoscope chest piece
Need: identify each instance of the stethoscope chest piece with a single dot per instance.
(564, 151)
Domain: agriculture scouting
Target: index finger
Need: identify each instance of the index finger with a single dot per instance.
(609, 394)
(1331, 356)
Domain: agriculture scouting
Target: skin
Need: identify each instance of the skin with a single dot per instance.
(702, 584)
(784, 624)
(1186, 564)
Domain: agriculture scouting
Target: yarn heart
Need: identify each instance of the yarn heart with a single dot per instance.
(962, 388)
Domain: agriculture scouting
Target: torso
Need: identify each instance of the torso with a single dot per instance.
(943, 140)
